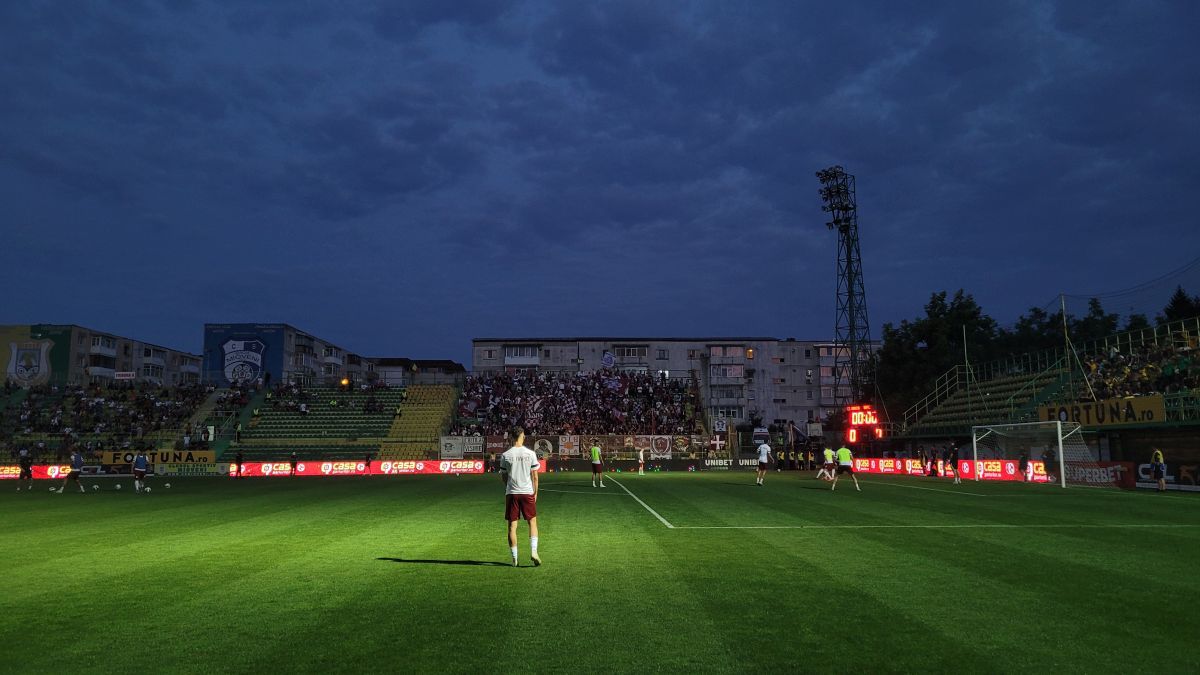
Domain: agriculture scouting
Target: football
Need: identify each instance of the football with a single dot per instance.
(146, 490)
(95, 487)
(167, 485)
(118, 486)
(52, 489)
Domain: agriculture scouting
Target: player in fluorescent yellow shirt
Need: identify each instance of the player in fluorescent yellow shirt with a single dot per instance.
(845, 465)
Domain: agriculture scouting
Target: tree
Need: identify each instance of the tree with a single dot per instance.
(915, 353)
(1096, 325)
(1180, 306)
(1137, 322)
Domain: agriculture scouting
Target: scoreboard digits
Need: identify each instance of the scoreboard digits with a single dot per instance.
(862, 423)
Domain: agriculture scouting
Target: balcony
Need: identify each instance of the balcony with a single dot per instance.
(101, 371)
(189, 368)
(155, 360)
(728, 381)
(104, 351)
(521, 361)
(333, 358)
(726, 360)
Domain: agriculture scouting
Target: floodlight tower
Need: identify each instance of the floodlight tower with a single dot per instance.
(852, 344)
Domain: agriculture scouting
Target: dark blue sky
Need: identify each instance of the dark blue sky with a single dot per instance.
(402, 176)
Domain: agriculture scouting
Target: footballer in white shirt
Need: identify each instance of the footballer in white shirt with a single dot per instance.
(519, 471)
(764, 459)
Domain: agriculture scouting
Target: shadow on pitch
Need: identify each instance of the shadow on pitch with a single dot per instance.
(483, 563)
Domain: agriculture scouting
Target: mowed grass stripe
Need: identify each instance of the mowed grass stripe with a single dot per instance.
(285, 575)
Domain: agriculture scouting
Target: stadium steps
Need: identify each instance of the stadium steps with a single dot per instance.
(414, 434)
(999, 400)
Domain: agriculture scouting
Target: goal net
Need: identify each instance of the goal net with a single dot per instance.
(1037, 452)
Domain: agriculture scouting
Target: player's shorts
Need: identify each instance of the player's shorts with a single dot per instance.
(26, 473)
(830, 466)
(1160, 472)
(762, 465)
(845, 468)
(597, 467)
(74, 475)
(139, 473)
(517, 507)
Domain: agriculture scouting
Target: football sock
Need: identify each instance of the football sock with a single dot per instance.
(533, 544)
(514, 552)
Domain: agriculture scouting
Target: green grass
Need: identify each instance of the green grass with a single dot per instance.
(306, 575)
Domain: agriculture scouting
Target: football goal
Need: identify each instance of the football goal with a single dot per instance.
(1038, 452)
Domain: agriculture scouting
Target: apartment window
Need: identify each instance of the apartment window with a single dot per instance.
(661, 355)
(778, 380)
(809, 393)
(750, 353)
(693, 354)
(777, 359)
(827, 393)
(81, 361)
(545, 353)
(146, 353)
(151, 370)
(489, 354)
(521, 352)
(779, 400)
(735, 351)
(808, 353)
(631, 352)
(730, 412)
(81, 338)
(828, 351)
(716, 351)
(826, 371)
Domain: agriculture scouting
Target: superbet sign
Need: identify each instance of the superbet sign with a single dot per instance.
(862, 423)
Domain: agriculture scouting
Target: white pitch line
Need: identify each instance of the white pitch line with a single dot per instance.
(918, 487)
(581, 492)
(936, 527)
(644, 504)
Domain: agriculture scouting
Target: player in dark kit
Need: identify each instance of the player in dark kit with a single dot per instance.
(238, 460)
(952, 463)
(293, 461)
(25, 461)
(76, 470)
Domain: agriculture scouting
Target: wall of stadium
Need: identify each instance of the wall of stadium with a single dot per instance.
(39, 354)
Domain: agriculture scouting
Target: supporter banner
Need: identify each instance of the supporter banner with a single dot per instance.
(1109, 412)
(682, 444)
(568, 446)
(641, 442)
(472, 445)
(210, 469)
(542, 445)
(40, 471)
(496, 444)
(165, 456)
(660, 447)
(451, 447)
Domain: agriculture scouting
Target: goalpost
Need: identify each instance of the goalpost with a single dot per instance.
(1056, 448)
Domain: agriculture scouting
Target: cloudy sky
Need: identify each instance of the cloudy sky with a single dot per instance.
(402, 176)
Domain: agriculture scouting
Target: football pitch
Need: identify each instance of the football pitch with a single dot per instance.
(701, 572)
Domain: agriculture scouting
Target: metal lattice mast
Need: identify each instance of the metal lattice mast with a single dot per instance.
(853, 340)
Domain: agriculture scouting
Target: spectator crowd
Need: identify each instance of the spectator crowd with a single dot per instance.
(89, 415)
(598, 402)
(1168, 368)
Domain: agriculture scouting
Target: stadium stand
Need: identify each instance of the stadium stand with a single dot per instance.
(50, 420)
(316, 423)
(1161, 361)
(598, 402)
(423, 418)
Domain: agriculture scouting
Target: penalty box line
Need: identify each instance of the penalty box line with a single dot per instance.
(646, 506)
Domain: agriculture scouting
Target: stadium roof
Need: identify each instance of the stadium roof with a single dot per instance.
(401, 362)
(643, 339)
